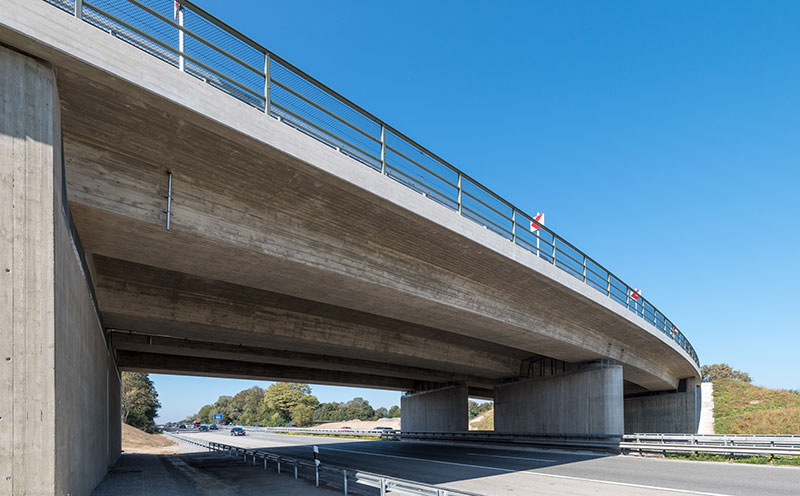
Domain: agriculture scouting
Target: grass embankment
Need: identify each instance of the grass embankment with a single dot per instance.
(742, 408)
(136, 441)
(483, 422)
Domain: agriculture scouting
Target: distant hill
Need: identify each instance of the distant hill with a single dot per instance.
(742, 408)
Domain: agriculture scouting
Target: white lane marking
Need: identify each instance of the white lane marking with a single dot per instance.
(515, 457)
(508, 470)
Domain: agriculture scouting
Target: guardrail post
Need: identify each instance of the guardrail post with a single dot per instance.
(265, 462)
(316, 472)
(279, 465)
(79, 9)
(267, 84)
(383, 149)
(383, 486)
(295, 470)
(344, 473)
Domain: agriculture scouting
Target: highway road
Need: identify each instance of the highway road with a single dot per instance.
(494, 471)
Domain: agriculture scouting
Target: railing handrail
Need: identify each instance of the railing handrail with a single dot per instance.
(640, 306)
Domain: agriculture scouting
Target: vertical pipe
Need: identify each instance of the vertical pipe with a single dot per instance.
(181, 61)
(584, 268)
(79, 9)
(383, 486)
(265, 462)
(267, 84)
(169, 199)
(344, 473)
(383, 149)
(316, 472)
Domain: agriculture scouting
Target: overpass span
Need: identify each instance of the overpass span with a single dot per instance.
(302, 239)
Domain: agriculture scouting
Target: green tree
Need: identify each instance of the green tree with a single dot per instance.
(139, 401)
(359, 408)
(281, 399)
(720, 371)
(476, 408)
(394, 411)
(381, 412)
(302, 415)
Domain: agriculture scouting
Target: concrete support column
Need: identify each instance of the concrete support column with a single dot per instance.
(443, 410)
(54, 363)
(676, 412)
(583, 401)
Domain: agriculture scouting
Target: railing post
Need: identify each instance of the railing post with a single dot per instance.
(608, 281)
(316, 472)
(344, 473)
(383, 149)
(295, 469)
(554, 248)
(267, 84)
(383, 486)
(79, 9)
(514, 225)
(181, 61)
(459, 192)
(584, 268)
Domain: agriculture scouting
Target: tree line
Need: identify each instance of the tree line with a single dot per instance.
(284, 403)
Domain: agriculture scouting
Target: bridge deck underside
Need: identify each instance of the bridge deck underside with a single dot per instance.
(276, 268)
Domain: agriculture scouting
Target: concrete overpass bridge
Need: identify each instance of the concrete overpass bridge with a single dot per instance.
(178, 199)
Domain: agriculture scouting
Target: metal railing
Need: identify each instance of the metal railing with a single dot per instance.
(334, 475)
(197, 43)
(733, 445)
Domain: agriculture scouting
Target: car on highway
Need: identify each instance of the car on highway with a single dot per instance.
(383, 428)
(203, 428)
(182, 426)
(346, 428)
(291, 426)
(213, 427)
(237, 431)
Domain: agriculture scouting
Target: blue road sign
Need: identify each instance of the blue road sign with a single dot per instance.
(218, 417)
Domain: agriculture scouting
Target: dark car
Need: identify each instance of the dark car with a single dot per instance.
(237, 431)
(213, 427)
(203, 428)
(182, 426)
(383, 428)
(291, 426)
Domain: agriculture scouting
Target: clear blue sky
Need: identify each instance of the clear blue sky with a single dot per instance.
(662, 138)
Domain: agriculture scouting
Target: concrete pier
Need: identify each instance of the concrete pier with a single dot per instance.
(584, 401)
(443, 410)
(670, 412)
(59, 413)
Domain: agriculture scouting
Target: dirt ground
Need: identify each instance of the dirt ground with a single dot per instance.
(394, 423)
(136, 441)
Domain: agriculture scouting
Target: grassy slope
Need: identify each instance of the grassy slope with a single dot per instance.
(483, 422)
(741, 408)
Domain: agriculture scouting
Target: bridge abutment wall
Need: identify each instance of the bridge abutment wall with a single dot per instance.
(583, 401)
(674, 412)
(59, 414)
(443, 410)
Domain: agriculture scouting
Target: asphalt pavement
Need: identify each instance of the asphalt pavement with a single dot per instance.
(495, 471)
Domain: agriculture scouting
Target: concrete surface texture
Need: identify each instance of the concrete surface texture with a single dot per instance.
(58, 429)
(443, 409)
(706, 425)
(675, 412)
(509, 471)
(585, 401)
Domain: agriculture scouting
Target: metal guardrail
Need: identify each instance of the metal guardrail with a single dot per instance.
(196, 42)
(572, 441)
(346, 475)
(734, 445)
